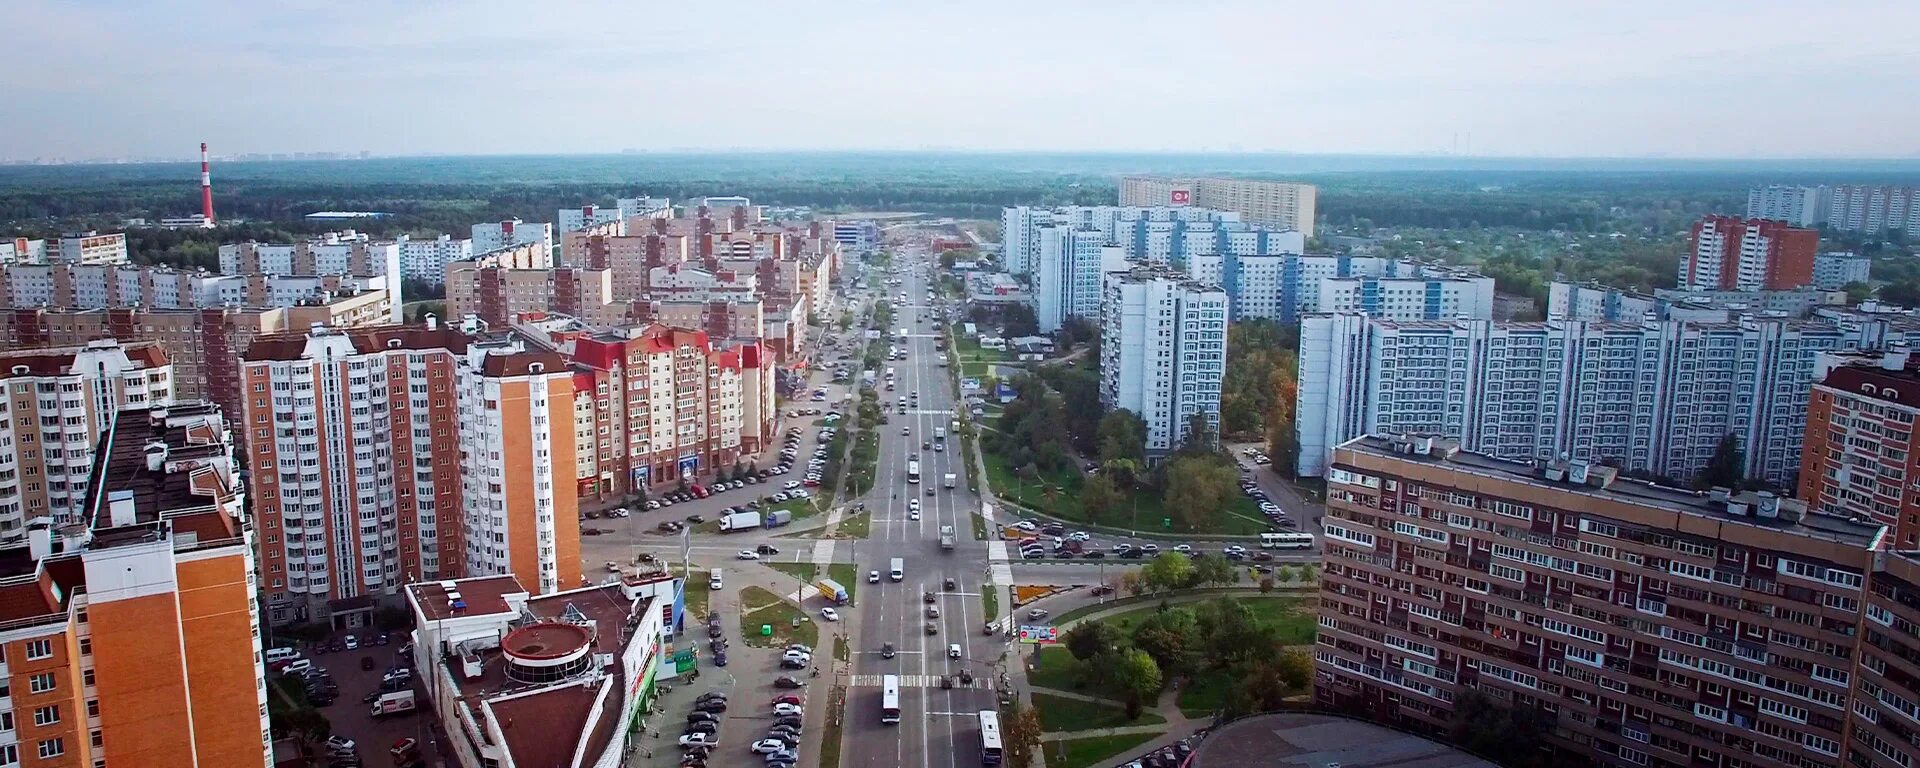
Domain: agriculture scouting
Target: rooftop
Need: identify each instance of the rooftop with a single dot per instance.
(1744, 508)
(193, 480)
(479, 596)
(57, 361)
(292, 345)
(1316, 741)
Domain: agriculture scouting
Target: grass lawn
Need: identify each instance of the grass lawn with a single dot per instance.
(759, 607)
(1240, 517)
(1297, 623)
(856, 526)
(1206, 693)
(847, 575)
(1055, 669)
(1059, 713)
(1079, 753)
(990, 598)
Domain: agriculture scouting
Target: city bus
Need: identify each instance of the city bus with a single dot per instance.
(890, 699)
(990, 753)
(1286, 541)
(913, 471)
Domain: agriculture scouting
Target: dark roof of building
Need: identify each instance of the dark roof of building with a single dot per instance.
(291, 345)
(192, 482)
(55, 361)
(478, 596)
(1895, 385)
(1315, 741)
(1652, 495)
(505, 364)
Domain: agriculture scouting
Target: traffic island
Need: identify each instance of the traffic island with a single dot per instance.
(767, 621)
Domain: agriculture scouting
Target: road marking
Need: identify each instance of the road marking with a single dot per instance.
(920, 681)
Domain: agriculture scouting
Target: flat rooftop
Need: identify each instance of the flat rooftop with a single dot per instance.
(478, 597)
(1317, 741)
(1677, 500)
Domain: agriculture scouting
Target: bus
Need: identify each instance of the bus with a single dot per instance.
(990, 753)
(1286, 541)
(890, 699)
(913, 471)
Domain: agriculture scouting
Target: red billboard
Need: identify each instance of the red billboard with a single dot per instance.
(1180, 197)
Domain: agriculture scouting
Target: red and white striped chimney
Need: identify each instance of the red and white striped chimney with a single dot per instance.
(206, 185)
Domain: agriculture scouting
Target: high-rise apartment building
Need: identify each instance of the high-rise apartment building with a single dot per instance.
(1860, 208)
(588, 216)
(1650, 396)
(20, 250)
(494, 236)
(104, 286)
(1163, 352)
(1278, 204)
(393, 454)
(427, 260)
(1637, 624)
(205, 345)
(644, 207)
(1434, 294)
(88, 248)
(131, 635)
(1834, 271)
(1069, 274)
(58, 402)
(1861, 457)
(665, 404)
(1794, 205)
(1728, 253)
(1160, 235)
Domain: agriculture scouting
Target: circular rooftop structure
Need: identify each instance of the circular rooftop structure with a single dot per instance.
(539, 653)
(1301, 740)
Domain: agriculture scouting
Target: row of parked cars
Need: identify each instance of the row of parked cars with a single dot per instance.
(1277, 518)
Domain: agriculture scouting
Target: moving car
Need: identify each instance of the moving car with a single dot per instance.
(829, 614)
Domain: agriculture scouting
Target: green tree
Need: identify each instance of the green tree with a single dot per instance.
(1199, 438)
(1232, 632)
(1020, 731)
(1122, 437)
(1172, 637)
(1726, 467)
(1857, 292)
(1091, 638)
(1169, 571)
(1214, 568)
(1098, 496)
(1197, 487)
(1131, 674)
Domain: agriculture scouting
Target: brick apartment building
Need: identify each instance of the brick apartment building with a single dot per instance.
(1642, 625)
(454, 443)
(58, 401)
(131, 637)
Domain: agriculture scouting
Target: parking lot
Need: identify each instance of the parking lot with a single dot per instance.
(349, 712)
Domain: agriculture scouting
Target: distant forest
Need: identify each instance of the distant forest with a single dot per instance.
(429, 195)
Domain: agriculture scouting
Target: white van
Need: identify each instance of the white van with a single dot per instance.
(281, 654)
(713, 580)
(898, 571)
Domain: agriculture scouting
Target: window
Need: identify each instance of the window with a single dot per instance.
(52, 748)
(39, 649)
(46, 715)
(40, 683)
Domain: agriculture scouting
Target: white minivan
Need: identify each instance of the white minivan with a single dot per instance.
(713, 580)
(281, 654)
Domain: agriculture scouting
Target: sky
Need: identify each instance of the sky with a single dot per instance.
(1568, 78)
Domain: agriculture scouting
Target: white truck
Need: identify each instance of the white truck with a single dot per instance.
(395, 703)
(740, 521)
(946, 537)
(940, 433)
(951, 479)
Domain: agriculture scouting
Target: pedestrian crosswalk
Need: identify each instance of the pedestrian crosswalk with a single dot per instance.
(907, 680)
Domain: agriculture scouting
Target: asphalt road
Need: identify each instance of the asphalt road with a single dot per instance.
(938, 727)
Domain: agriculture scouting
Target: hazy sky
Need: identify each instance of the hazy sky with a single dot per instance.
(1564, 77)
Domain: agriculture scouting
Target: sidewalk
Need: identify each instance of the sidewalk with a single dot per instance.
(1177, 727)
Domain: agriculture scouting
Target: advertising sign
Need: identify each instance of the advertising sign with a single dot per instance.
(1039, 635)
(1180, 197)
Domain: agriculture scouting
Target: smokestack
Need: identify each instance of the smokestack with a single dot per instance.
(206, 186)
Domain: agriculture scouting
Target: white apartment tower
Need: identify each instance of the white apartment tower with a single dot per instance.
(1068, 273)
(1654, 397)
(494, 236)
(1163, 351)
(1796, 205)
(55, 403)
(426, 260)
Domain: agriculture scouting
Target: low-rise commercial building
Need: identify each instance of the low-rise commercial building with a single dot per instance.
(560, 679)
